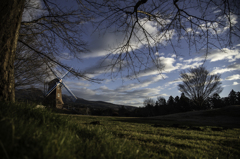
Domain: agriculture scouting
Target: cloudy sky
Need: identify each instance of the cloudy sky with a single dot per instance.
(150, 82)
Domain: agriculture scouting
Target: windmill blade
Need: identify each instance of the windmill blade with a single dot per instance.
(50, 91)
(69, 90)
(66, 73)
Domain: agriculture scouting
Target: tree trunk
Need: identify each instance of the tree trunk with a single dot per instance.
(10, 20)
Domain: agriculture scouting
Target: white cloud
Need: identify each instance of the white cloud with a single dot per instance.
(221, 70)
(116, 96)
(66, 56)
(216, 11)
(180, 59)
(174, 82)
(166, 65)
(105, 66)
(233, 77)
(193, 65)
(226, 54)
(225, 85)
(141, 84)
(75, 83)
(230, 68)
(97, 53)
(32, 10)
(234, 66)
(215, 28)
(235, 83)
(215, 55)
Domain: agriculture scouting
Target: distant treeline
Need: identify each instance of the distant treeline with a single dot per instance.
(172, 105)
(184, 104)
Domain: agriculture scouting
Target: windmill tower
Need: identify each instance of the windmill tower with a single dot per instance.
(54, 91)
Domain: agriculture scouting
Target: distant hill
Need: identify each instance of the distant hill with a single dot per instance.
(29, 94)
(98, 104)
(36, 95)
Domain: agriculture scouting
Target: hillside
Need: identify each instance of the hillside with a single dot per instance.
(36, 95)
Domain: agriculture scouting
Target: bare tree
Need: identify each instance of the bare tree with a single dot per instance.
(148, 102)
(198, 84)
(29, 67)
(202, 24)
(144, 27)
(161, 101)
(54, 28)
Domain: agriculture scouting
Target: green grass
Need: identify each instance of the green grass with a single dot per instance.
(26, 132)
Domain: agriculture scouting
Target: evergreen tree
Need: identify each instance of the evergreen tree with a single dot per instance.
(177, 106)
(156, 104)
(184, 103)
(232, 97)
(170, 101)
(177, 100)
(238, 98)
(225, 101)
(216, 101)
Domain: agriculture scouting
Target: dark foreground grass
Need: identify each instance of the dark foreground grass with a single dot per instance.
(26, 132)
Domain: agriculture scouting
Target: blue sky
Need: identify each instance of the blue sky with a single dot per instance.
(150, 82)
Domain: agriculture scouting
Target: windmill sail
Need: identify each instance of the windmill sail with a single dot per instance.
(56, 85)
(52, 89)
(69, 90)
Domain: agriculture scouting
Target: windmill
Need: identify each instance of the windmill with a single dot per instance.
(54, 92)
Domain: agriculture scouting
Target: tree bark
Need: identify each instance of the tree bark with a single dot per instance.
(10, 19)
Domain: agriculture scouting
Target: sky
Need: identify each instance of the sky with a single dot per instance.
(150, 82)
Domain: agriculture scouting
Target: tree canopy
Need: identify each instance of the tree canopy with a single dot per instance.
(198, 84)
(143, 28)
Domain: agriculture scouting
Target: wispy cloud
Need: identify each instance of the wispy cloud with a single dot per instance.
(166, 65)
(130, 97)
(229, 68)
(233, 77)
(130, 94)
(106, 66)
(215, 55)
(141, 84)
(101, 45)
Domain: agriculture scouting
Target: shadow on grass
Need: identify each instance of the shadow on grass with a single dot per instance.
(219, 119)
(187, 125)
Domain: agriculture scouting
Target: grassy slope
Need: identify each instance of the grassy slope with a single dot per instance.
(30, 133)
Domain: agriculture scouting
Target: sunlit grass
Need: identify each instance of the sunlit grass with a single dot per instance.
(26, 132)
(172, 142)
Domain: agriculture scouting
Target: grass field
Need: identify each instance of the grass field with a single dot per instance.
(26, 132)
